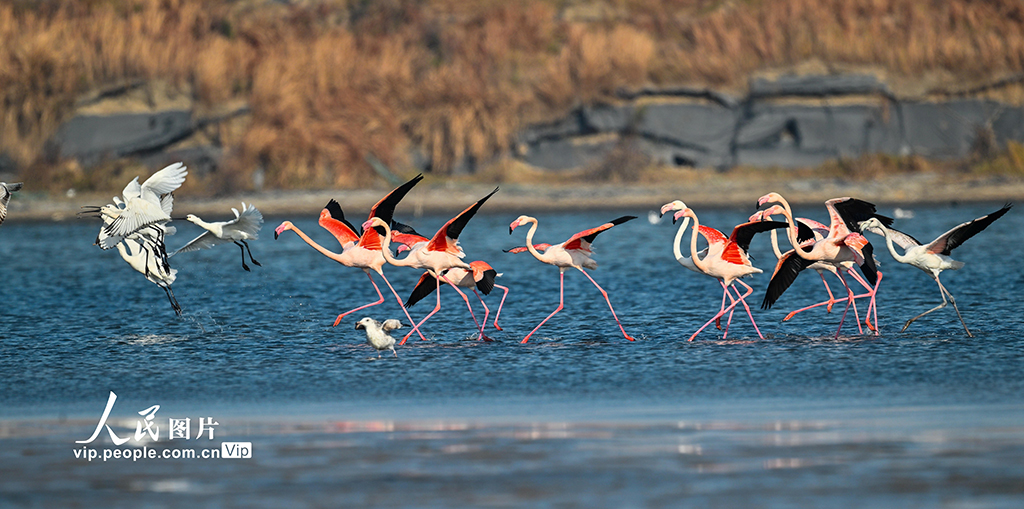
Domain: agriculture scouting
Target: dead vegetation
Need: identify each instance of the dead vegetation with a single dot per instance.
(331, 81)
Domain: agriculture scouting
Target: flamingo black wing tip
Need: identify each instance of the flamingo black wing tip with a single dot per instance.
(622, 219)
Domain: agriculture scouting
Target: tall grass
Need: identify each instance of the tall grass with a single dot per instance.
(330, 81)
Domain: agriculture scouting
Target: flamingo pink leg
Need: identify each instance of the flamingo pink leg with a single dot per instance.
(438, 306)
(406, 311)
(849, 294)
(338, 319)
(732, 300)
(743, 300)
(830, 302)
(871, 293)
(717, 316)
(475, 321)
(502, 303)
(609, 304)
(487, 312)
(561, 286)
(718, 322)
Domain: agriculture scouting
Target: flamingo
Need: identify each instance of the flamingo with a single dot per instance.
(683, 260)
(142, 203)
(377, 334)
(245, 226)
(437, 255)
(809, 231)
(574, 253)
(359, 251)
(726, 260)
(934, 257)
(843, 244)
(6, 190)
(481, 277)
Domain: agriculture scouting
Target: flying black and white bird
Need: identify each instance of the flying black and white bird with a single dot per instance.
(5, 197)
(143, 247)
(142, 205)
(377, 333)
(245, 226)
(144, 250)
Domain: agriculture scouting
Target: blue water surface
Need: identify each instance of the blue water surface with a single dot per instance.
(259, 348)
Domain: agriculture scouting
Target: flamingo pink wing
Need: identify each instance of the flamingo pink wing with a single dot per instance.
(523, 249)
(583, 239)
(370, 240)
(339, 229)
(442, 242)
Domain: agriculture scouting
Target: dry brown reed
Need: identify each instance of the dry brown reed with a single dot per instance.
(329, 82)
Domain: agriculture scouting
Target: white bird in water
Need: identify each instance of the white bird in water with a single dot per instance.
(377, 333)
(245, 226)
(142, 203)
(934, 257)
(5, 197)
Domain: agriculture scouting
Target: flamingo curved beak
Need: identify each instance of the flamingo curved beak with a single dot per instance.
(359, 326)
(280, 229)
(678, 215)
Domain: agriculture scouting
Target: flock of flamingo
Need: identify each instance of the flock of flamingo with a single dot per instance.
(136, 224)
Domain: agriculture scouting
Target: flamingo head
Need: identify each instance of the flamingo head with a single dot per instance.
(373, 222)
(521, 220)
(766, 214)
(287, 225)
(686, 212)
(872, 224)
(402, 248)
(191, 218)
(674, 205)
(769, 198)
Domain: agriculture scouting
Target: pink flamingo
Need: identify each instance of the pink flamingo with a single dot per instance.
(439, 254)
(727, 261)
(574, 253)
(360, 251)
(842, 244)
(810, 231)
(481, 277)
(934, 257)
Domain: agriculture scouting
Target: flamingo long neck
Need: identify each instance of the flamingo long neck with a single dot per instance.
(385, 244)
(791, 231)
(529, 241)
(902, 258)
(775, 240)
(676, 250)
(330, 254)
(697, 262)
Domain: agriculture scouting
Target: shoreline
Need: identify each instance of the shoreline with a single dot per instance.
(701, 190)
